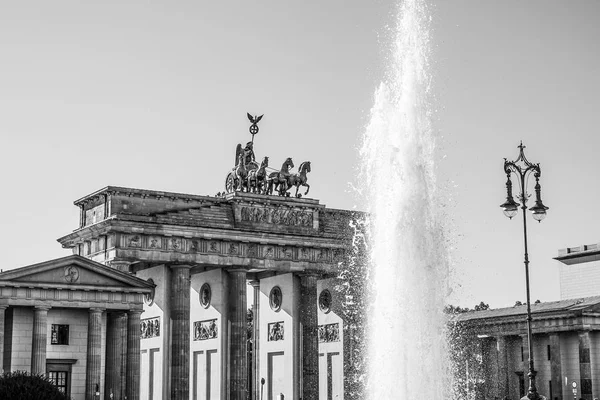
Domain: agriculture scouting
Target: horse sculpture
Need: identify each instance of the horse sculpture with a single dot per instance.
(256, 178)
(241, 173)
(279, 180)
(300, 178)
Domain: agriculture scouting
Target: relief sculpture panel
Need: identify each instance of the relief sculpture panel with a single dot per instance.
(277, 216)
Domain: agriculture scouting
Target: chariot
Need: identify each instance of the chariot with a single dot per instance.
(248, 176)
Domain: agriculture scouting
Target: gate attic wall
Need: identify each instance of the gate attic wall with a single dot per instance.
(256, 232)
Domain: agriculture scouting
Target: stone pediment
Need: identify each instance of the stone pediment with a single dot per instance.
(72, 272)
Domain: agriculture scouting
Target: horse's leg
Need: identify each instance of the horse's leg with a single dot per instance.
(307, 188)
(297, 187)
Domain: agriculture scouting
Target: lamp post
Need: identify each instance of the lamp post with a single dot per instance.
(522, 168)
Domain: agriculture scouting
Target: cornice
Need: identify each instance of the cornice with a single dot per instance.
(115, 224)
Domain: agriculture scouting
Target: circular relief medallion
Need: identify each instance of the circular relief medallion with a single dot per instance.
(71, 274)
(205, 295)
(149, 297)
(275, 298)
(325, 301)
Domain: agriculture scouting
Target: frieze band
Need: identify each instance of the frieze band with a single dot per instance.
(228, 248)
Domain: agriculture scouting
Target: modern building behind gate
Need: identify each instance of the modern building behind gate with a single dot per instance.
(566, 336)
(153, 302)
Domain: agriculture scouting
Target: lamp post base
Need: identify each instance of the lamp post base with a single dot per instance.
(537, 397)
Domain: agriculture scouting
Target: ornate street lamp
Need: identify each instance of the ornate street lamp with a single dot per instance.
(522, 168)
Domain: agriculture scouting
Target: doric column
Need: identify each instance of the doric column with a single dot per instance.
(94, 350)
(238, 378)
(585, 365)
(555, 366)
(256, 340)
(2, 312)
(40, 336)
(116, 323)
(503, 388)
(525, 359)
(310, 342)
(132, 374)
(180, 334)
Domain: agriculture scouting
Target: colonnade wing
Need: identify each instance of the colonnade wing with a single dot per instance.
(78, 278)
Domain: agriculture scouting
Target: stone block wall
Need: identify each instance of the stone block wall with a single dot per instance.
(287, 368)
(157, 348)
(22, 326)
(579, 280)
(209, 353)
(331, 352)
(77, 319)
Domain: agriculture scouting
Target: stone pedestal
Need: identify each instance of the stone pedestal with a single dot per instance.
(116, 324)
(94, 354)
(133, 355)
(238, 378)
(40, 340)
(310, 340)
(255, 340)
(180, 333)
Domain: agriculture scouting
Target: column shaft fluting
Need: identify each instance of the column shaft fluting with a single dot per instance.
(132, 374)
(180, 334)
(256, 340)
(2, 314)
(555, 366)
(238, 377)
(94, 349)
(503, 386)
(115, 325)
(40, 336)
(310, 340)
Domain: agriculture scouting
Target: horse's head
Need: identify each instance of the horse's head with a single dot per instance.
(288, 163)
(305, 166)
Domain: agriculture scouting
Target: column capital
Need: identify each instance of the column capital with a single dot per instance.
(134, 311)
(176, 266)
(96, 310)
(3, 306)
(254, 283)
(237, 269)
(42, 308)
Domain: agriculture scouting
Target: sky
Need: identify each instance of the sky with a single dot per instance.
(154, 95)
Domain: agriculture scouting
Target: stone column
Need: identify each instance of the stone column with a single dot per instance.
(40, 340)
(310, 340)
(132, 375)
(115, 325)
(256, 340)
(525, 360)
(94, 349)
(238, 378)
(585, 365)
(180, 333)
(503, 388)
(555, 366)
(2, 312)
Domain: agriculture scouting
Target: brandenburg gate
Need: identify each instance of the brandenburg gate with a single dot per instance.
(202, 254)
